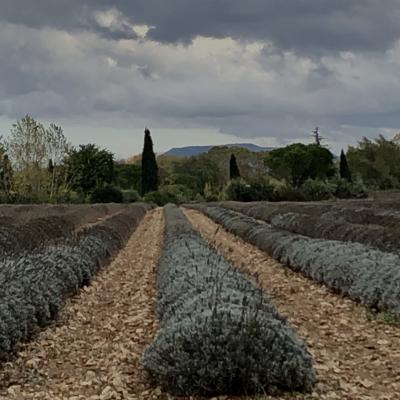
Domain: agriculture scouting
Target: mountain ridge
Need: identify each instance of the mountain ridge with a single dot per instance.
(189, 151)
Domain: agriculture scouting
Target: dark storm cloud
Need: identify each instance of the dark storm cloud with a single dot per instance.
(303, 25)
(283, 67)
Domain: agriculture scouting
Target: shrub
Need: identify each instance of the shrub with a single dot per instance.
(246, 191)
(160, 198)
(175, 194)
(317, 190)
(350, 190)
(107, 194)
(130, 196)
(219, 333)
(285, 192)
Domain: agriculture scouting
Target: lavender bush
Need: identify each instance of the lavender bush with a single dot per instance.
(353, 269)
(219, 333)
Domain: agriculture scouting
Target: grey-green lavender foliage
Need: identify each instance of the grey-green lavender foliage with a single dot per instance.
(34, 285)
(353, 269)
(37, 232)
(358, 224)
(219, 333)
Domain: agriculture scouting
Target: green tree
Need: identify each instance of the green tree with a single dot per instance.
(377, 162)
(89, 168)
(196, 173)
(127, 176)
(234, 172)
(30, 146)
(298, 162)
(344, 167)
(149, 165)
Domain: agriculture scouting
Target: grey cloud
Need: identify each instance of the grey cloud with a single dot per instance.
(307, 26)
(81, 69)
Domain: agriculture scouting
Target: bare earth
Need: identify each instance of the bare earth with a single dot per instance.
(356, 357)
(92, 352)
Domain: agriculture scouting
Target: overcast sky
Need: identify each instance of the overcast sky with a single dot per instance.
(202, 71)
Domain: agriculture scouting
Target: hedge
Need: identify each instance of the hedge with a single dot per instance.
(34, 285)
(219, 333)
(356, 270)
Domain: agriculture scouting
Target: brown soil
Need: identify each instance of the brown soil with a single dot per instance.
(93, 350)
(356, 356)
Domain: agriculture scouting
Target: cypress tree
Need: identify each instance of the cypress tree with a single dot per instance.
(50, 166)
(149, 165)
(344, 167)
(233, 168)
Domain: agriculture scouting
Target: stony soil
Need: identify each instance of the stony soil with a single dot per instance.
(357, 356)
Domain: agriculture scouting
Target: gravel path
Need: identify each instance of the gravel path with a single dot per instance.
(357, 357)
(92, 352)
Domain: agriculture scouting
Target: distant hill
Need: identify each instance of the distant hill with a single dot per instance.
(196, 150)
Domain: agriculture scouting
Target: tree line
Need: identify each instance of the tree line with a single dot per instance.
(38, 164)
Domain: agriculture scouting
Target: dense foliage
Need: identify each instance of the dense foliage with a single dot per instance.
(37, 164)
(31, 147)
(176, 194)
(219, 333)
(106, 194)
(127, 176)
(89, 168)
(377, 162)
(298, 162)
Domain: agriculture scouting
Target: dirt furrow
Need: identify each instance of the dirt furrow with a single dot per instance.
(356, 355)
(93, 350)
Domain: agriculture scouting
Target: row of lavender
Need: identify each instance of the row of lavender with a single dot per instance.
(218, 332)
(34, 285)
(373, 226)
(26, 228)
(353, 269)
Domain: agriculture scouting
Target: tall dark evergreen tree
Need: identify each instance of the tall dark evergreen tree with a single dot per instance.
(50, 166)
(344, 167)
(149, 165)
(233, 168)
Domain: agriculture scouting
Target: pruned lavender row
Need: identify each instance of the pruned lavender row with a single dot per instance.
(32, 229)
(35, 233)
(328, 222)
(218, 332)
(380, 237)
(33, 286)
(362, 213)
(365, 274)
